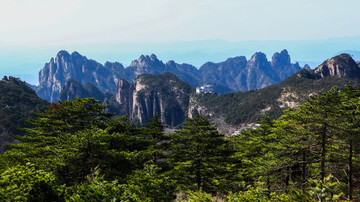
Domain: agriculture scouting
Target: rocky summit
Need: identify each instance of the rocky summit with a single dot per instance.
(75, 66)
(341, 66)
(234, 74)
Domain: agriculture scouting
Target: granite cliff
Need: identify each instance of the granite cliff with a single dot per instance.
(75, 66)
(234, 74)
(164, 94)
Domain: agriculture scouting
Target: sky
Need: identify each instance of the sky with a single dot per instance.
(32, 31)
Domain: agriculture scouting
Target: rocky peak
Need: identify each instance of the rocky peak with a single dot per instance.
(76, 55)
(258, 59)
(281, 59)
(63, 54)
(307, 67)
(65, 66)
(146, 61)
(240, 60)
(171, 63)
(114, 65)
(342, 66)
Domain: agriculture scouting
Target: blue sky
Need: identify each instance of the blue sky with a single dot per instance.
(32, 31)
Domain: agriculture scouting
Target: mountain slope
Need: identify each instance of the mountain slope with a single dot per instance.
(242, 109)
(18, 102)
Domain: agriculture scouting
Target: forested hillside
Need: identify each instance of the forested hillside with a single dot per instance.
(18, 102)
(75, 151)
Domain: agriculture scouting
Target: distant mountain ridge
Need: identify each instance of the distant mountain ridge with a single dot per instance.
(235, 111)
(174, 100)
(234, 74)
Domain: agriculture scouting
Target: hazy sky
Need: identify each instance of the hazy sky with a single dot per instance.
(56, 22)
(187, 31)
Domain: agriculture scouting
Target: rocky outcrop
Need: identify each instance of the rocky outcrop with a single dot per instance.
(164, 94)
(307, 67)
(342, 66)
(242, 75)
(282, 66)
(124, 95)
(65, 66)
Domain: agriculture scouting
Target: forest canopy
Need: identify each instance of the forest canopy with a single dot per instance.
(74, 151)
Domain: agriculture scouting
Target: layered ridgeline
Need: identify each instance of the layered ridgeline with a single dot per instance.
(173, 100)
(234, 74)
(236, 111)
(18, 102)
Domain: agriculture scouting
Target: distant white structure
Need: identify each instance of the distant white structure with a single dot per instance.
(252, 127)
(205, 89)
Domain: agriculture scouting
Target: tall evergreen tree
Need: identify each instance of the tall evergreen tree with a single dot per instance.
(349, 129)
(200, 155)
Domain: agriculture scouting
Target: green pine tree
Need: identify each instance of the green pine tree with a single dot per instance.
(201, 156)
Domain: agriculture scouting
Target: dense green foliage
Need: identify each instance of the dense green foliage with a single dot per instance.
(76, 152)
(201, 156)
(18, 102)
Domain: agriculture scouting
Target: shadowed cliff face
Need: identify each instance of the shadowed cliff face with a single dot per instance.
(163, 94)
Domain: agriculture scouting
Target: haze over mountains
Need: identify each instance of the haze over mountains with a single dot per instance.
(136, 91)
(25, 62)
(234, 74)
(169, 96)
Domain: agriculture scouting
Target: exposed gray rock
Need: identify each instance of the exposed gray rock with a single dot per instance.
(65, 66)
(164, 94)
(234, 74)
(342, 66)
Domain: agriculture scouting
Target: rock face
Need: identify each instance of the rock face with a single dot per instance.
(234, 74)
(242, 75)
(73, 89)
(124, 95)
(65, 66)
(342, 66)
(163, 94)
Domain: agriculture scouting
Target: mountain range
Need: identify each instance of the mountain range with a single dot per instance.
(144, 88)
(234, 74)
(167, 94)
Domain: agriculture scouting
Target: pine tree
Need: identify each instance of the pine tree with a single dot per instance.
(55, 133)
(200, 155)
(349, 129)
